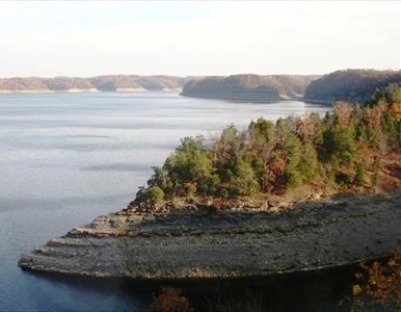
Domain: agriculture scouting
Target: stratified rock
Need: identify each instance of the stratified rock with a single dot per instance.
(202, 243)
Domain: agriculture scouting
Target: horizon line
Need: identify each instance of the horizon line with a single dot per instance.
(188, 76)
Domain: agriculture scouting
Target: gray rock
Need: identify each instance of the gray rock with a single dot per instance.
(200, 243)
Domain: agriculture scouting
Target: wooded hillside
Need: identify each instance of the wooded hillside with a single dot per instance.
(355, 148)
(253, 88)
(99, 83)
(352, 85)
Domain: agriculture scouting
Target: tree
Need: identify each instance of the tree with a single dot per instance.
(191, 164)
(360, 175)
(308, 163)
(243, 180)
(341, 143)
(309, 128)
(227, 147)
(379, 284)
(261, 142)
(292, 148)
(151, 195)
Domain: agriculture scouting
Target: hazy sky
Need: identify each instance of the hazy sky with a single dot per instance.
(197, 38)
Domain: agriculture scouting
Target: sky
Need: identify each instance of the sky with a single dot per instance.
(184, 38)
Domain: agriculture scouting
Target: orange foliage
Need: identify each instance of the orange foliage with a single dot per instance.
(343, 112)
(382, 282)
(170, 300)
(396, 111)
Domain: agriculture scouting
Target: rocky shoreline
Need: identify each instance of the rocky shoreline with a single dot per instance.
(197, 242)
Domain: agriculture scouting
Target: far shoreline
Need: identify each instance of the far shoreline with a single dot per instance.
(83, 91)
(178, 92)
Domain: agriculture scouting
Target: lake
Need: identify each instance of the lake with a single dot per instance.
(67, 158)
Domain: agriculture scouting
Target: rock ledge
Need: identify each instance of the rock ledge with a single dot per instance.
(200, 243)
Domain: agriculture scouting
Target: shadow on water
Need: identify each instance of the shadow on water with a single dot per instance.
(304, 291)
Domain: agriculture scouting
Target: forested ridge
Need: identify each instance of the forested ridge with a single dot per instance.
(249, 87)
(351, 85)
(355, 148)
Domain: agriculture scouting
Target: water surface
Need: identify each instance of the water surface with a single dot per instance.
(67, 158)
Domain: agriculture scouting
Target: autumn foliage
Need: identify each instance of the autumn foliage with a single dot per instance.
(379, 285)
(170, 300)
(347, 149)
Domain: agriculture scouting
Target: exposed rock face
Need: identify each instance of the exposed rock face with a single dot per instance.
(200, 243)
(123, 83)
(249, 87)
(353, 85)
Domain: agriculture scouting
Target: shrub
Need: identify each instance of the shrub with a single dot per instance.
(379, 284)
(153, 195)
(170, 300)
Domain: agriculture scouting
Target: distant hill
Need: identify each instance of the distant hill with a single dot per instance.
(249, 87)
(128, 83)
(352, 85)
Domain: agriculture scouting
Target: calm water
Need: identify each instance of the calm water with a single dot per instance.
(67, 158)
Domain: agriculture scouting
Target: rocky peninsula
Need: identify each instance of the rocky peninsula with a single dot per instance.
(260, 202)
(199, 242)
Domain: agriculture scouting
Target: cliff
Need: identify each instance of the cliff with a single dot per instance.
(352, 85)
(253, 88)
(196, 242)
(111, 83)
